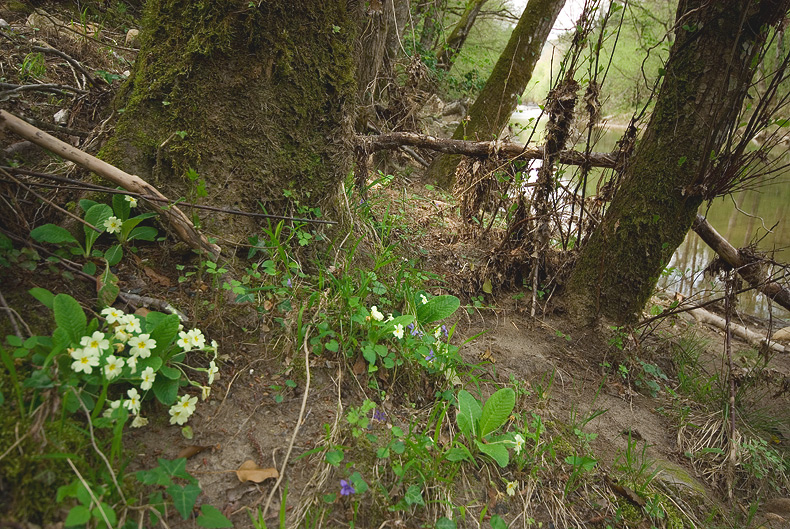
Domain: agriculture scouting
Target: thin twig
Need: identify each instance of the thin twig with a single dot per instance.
(75, 63)
(298, 422)
(88, 488)
(11, 317)
(110, 190)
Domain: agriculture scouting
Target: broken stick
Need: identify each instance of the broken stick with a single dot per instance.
(180, 223)
(747, 266)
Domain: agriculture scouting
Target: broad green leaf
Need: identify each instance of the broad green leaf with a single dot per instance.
(107, 288)
(468, 413)
(369, 353)
(496, 451)
(184, 498)
(445, 523)
(413, 495)
(144, 233)
(108, 512)
(170, 372)
(166, 390)
(165, 332)
(121, 206)
(96, 215)
(52, 234)
(212, 518)
(44, 296)
(458, 453)
(497, 522)
(87, 204)
(332, 345)
(175, 467)
(78, 515)
(69, 316)
(497, 410)
(114, 255)
(436, 309)
(334, 457)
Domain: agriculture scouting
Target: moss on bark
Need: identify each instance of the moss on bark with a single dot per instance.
(697, 106)
(255, 97)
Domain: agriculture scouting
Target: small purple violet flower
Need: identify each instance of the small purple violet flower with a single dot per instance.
(445, 331)
(430, 357)
(379, 415)
(289, 283)
(346, 488)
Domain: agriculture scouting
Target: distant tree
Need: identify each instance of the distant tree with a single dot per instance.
(707, 76)
(499, 97)
(457, 38)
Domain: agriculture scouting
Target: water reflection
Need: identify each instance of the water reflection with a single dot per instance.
(747, 217)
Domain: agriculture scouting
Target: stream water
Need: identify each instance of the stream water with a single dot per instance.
(759, 215)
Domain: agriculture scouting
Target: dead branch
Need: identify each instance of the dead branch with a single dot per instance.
(703, 316)
(479, 149)
(747, 266)
(178, 221)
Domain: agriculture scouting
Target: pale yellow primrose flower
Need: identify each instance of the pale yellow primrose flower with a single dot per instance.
(113, 224)
(142, 345)
(131, 200)
(139, 421)
(131, 324)
(511, 488)
(113, 405)
(184, 341)
(423, 299)
(133, 404)
(84, 361)
(197, 338)
(95, 343)
(132, 363)
(112, 315)
(182, 410)
(212, 371)
(519, 443)
(398, 332)
(375, 314)
(148, 376)
(205, 392)
(113, 367)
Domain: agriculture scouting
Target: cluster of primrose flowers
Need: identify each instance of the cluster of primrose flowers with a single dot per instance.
(117, 354)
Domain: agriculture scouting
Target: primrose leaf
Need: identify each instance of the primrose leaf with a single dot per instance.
(437, 308)
(497, 410)
(69, 316)
(52, 234)
(496, 451)
(468, 413)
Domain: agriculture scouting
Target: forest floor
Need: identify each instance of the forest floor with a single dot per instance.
(616, 427)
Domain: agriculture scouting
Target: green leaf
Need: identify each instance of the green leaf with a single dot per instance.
(445, 523)
(332, 345)
(144, 233)
(96, 215)
(108, 289)
(164, 332)
(52, 234)
(497, 410)
(108, 512)
(121, 206)
(166, 390)
(44, 296)
(468, 413)
(78, 515)
(334, 457)
(184, 498)
(497, 522)
(87, 204)
(89, 268)
(413, 495)
(170, 372)
(496, 451)
(369, 353)
(69, 316)
(458, 453)
(212, 518)
(436, 309)
(114, 255)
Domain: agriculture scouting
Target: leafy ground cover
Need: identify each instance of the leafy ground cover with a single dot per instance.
(354, 378)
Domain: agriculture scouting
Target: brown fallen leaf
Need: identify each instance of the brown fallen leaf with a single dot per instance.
(360, 366)
(249, 471)
(156, 276)
(192, 450)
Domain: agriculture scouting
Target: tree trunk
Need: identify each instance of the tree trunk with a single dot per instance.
(707, 76)
(430, 25)
(499, 97)
(255, 98)
(457, 38)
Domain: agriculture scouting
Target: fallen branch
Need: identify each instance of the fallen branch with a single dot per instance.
(73, 62)
(395, 140)
(747, 266)
(703, 316)
(180, 223)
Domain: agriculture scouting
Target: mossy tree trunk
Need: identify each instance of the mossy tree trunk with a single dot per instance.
(257, 98)
(499, 97)
(446, 57)
(706, 78)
